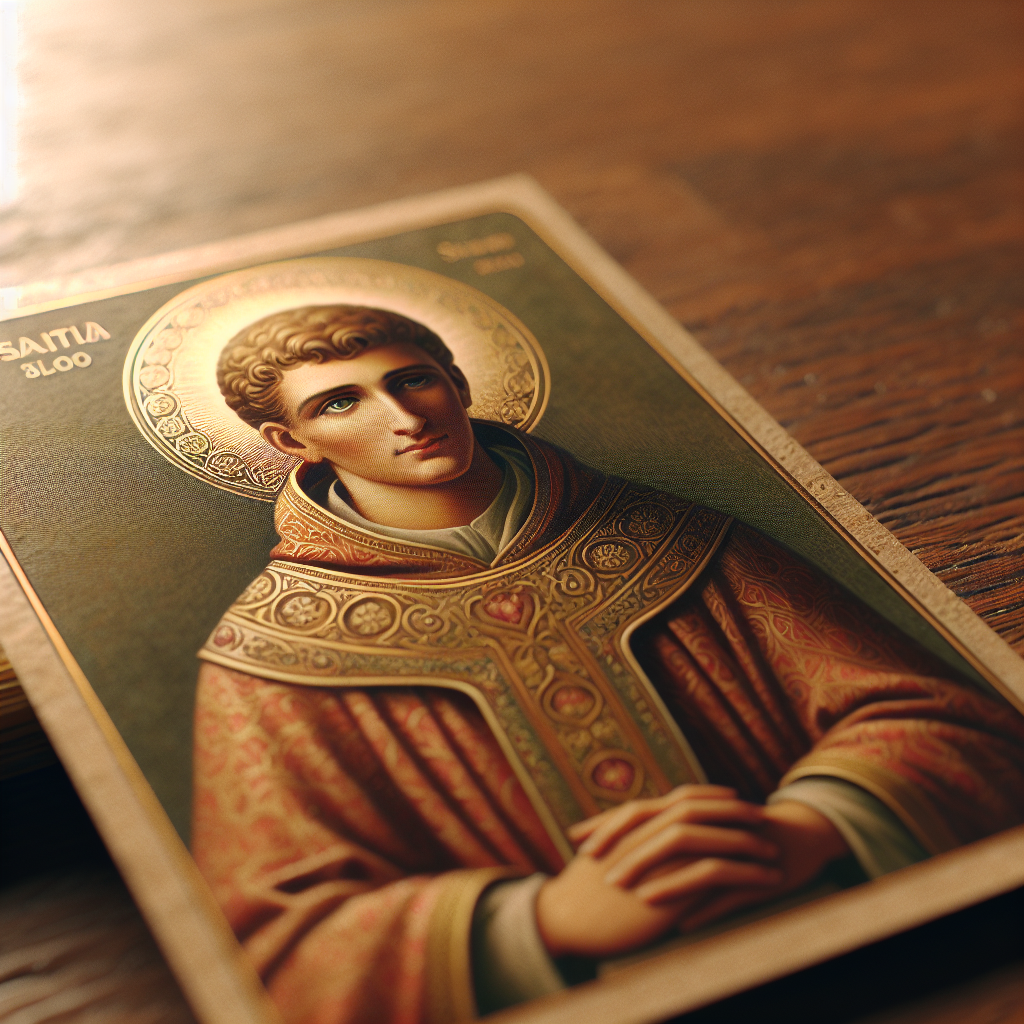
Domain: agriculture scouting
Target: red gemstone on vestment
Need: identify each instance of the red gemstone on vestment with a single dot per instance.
(614, 773)
(573, 701)
(505, 607)
(224, 636)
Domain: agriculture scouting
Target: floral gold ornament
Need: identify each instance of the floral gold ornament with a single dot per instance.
(540, 646)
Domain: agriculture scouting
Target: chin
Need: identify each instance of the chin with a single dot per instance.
(439, 471)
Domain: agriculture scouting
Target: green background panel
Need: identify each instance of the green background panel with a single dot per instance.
(136, 561)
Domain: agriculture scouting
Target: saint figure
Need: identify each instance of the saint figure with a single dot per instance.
(490, 716)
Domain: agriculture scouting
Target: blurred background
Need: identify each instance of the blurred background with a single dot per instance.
(826, 193)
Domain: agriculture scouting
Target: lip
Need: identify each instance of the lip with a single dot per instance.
(431, 444)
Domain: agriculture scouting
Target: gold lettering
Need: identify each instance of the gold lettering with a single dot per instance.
(25, 346)
(93, 332)
(60, 365)
(29, 345)
(491, 264)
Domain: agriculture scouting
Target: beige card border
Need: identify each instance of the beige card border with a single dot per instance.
(211, 968)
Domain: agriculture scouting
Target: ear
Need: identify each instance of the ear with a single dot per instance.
(461, 385)
(281, 438)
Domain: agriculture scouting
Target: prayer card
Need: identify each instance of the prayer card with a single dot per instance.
(430, 626)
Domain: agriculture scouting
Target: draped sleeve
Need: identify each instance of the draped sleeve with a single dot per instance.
(775, 673)
(348, 835)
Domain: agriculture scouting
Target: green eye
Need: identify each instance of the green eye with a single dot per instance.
(339, 405)
(420, 381)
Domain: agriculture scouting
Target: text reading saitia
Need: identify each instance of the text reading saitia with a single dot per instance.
(53, 341)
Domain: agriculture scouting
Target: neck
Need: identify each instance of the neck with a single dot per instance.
(435, 507)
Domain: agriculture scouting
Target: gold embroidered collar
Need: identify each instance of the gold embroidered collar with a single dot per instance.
(539, 641)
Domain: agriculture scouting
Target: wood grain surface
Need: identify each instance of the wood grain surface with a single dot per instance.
(74, 949)
(828, 193)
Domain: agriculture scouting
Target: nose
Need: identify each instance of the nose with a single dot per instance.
(401, 420)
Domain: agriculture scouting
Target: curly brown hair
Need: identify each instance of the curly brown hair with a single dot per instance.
(253, 362)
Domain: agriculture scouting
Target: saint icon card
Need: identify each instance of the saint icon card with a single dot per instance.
(430, 626)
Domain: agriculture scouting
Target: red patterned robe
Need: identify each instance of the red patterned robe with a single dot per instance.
(348, 832)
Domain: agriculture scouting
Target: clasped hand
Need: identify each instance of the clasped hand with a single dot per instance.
(681, 860)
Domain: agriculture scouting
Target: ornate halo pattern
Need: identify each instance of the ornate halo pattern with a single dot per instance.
(170, 372)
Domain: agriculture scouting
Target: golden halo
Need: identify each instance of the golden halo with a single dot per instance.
(170, 382)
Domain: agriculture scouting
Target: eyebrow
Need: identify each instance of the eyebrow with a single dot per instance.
(405, 369)
(320, 395)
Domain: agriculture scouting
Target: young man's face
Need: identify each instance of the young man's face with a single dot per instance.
(390, 416)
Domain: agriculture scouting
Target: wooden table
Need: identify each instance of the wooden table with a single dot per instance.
(826, 193)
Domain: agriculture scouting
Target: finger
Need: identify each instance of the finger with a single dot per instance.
(616, 822)
(613, 824)
(578, 832)
(705, 874)
(604, 829)
(698, 915)
(688, 840)
(701, 791)
(730, 813)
